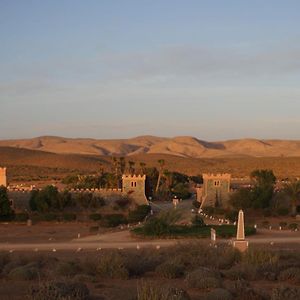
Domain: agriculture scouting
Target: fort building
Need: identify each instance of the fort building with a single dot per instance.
(134, 186)
(3, 178)
(215, 190)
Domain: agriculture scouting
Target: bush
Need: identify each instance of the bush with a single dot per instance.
(282, 211)
(170, 270)
(286, 293)
(113, 220)
(290, 274)
(198, 221)
(21, 217)
(95, 217)
(69, 217)
(196, 204)
(231, 215)
(259, 257)
(145, 260)
(123, 202)
(23, 273)
(282, 224)
(203, 278)
(209, 210)
(139, 214)
(293, 226)
(59, 291)
(242, 272)
(49, 217)
(67, 269)
(111, 265)
(152, 291)
(218, 294)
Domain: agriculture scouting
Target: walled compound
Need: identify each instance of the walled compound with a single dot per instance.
(132, 186)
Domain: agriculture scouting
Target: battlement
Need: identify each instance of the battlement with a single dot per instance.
(3, 178)
(95, 190)
(134, 177)
(224, 176)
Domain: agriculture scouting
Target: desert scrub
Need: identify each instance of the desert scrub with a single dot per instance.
(218, 294)
(145, 260)
(152, 291)
(170, 270)
(67, 268)
(59, 291)
(242, 271)
(290, 274)
(198, 254)
(286, 293)
(27, 272)
(259, 257)
(111, 265)
(203, 278)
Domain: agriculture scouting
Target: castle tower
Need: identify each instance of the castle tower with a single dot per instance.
(216, 189)
(3, 179)
(134, 186)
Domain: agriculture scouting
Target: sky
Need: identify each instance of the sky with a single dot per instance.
(214, 69)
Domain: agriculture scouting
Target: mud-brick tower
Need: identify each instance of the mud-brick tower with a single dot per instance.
(134, 186)
(216, 189)
(3, 179)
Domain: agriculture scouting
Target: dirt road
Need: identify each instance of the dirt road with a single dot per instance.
(123, 239)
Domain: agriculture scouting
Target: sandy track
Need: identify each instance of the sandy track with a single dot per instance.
(123, 239)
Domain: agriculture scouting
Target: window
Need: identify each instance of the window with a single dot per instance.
(217, 182)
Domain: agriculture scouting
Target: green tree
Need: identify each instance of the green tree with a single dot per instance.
(131, 167)
(292, 190)
(241, 199)
(5, 207)
(264, 188)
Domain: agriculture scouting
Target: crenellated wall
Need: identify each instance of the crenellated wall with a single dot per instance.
(133, 186)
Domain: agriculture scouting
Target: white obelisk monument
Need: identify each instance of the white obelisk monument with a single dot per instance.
(240, 243)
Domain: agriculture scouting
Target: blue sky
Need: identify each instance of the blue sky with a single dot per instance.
(115, 69)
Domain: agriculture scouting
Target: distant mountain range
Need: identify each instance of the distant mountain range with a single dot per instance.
(183, 146)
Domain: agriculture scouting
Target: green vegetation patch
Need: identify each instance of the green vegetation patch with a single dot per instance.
(176, 231)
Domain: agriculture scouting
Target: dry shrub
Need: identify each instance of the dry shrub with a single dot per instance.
(111, 265)
(242, 291)
(145, 260)
(218, 294)
(198, 254)
(147, 290)
(170, 270)
(290, 274)
(260, 257)
(203, 278)
(242, 271)
(27, 272)
(67, 268)
(286, 293)
(59, 291)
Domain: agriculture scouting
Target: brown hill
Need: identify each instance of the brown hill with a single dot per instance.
(178, 146)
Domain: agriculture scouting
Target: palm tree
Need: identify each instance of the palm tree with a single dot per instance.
(161, 168)
(122, 164)
(131, 167)
(143, 167)
(292, 190)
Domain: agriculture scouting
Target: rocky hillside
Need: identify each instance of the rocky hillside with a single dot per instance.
(179, 146)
